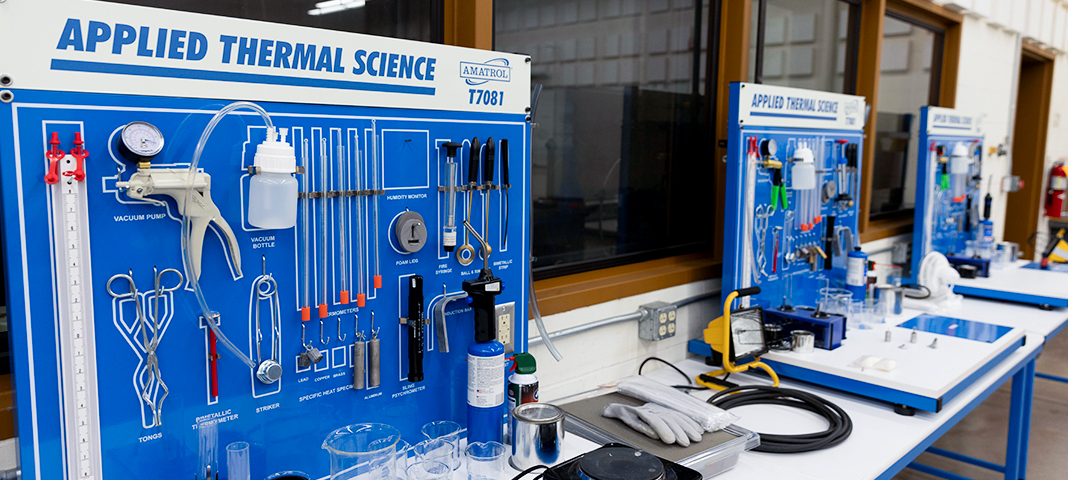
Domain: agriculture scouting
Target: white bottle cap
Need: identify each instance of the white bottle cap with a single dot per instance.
(275, 155)
(803, 153)
(959, 160)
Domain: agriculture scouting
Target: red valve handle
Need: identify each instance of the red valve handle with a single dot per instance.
(54, 155)
(79, 154)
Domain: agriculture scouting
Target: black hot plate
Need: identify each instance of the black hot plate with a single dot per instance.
(615, 461)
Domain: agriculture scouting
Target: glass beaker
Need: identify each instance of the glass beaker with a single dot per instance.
(438, 450)
(863, 314)
(237, 464)
(835, 300)
(365, 451)
(429, 470)
(486, 461)
(448, 432)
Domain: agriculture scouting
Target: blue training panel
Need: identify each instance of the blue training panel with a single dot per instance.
(78, 352)
(827, 123)
(947, 213)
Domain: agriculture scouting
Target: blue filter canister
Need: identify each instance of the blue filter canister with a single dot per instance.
(485, 392)
(857, 273)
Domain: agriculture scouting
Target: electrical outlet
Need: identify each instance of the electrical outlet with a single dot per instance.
(657, 322)
(505, 322)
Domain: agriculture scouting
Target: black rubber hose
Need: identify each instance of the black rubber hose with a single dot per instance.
(840, 426)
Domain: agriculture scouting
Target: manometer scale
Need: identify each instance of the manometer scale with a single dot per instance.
(70, 230)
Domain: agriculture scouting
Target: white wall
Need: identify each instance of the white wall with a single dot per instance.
(610, 353)
(984, 86)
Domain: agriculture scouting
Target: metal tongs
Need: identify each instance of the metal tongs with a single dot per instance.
(151, 385)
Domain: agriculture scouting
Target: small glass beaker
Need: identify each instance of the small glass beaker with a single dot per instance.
(365, 451)
(863, 314)
(835, 300)
(428, 470)
(436, 449)
(237, 463)
(486, 461)
(449, 432)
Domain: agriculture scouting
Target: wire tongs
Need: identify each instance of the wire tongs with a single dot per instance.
(151, 378)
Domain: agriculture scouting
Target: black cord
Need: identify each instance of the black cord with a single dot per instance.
(665, 362)
(916, 286)
(548, 473)
(839, 428)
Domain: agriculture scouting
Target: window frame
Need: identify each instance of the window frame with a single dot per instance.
(575, 290)
(596, 281)
(924, 15)
(728, 61)
(852, 54)
(934, 97)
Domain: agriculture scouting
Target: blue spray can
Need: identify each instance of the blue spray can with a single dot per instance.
(485, 392)
(857, 273)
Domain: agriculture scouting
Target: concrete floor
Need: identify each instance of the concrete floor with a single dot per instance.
(981, 434)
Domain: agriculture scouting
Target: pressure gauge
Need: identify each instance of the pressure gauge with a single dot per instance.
(747, 333)
(768, 147)
(142, 139)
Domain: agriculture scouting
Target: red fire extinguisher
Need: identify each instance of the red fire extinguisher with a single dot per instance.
(1058, 189)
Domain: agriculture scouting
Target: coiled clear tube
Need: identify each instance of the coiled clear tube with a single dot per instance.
(187, 255)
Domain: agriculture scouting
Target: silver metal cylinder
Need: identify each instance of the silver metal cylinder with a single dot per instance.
(804, 341)
(374, 357)
(537, 435)
(359, 353)
(889, 298)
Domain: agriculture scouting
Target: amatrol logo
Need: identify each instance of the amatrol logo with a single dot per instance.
(496, 70)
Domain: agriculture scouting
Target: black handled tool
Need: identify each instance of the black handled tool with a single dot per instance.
(415, 328)
(504, 163)
(828, 244)
(473, 162)
(988, 200)
(483, 292)
(451, 148)
(505, 185)
(487, 163)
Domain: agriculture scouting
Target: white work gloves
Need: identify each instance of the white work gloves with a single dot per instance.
(657, 422)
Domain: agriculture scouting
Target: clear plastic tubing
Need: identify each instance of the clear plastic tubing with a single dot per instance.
(324, 160)
(374, 182)
(342, 238)
(237, 464)
(359, 229)
(187, 256)
(306, 203)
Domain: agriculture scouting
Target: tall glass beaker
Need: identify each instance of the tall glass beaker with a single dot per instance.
(365, 451)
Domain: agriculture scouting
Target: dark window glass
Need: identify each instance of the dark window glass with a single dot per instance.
(809, 44)
(909, 78)
(622, 148)
(408, 19)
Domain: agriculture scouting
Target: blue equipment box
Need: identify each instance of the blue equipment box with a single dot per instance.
(829, 329)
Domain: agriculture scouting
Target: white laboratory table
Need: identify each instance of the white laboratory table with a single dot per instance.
(1019, 283)
(883, 442)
